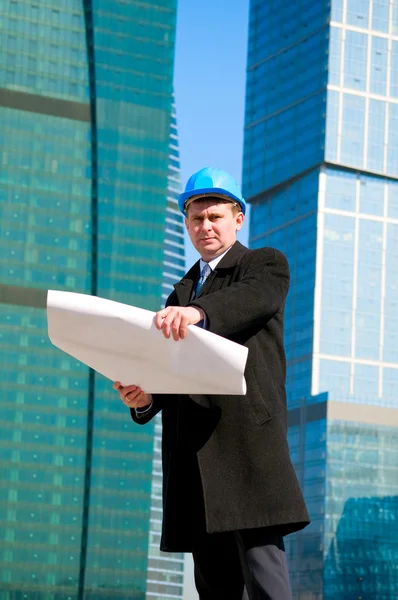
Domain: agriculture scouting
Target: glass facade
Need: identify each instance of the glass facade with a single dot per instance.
(285, 119)
(85, 109)
(288, 220)
(328, 199)
(362, 94)
(360, 542)
(307, 444)
(358, 324)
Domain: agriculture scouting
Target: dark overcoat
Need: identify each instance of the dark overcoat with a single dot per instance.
(238, 442)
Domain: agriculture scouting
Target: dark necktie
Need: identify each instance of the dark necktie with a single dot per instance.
(205, 272)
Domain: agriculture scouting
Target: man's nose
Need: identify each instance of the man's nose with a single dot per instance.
(206, 224)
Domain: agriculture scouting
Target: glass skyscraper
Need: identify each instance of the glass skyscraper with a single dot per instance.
(321, 172)
(85, 111)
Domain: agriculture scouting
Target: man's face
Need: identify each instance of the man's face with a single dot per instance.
(212, 226)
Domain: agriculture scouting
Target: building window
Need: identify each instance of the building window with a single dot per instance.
(355, 58)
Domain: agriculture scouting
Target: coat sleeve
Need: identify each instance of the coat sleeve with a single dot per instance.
(148, 416)
(157, 405)
(253, 299)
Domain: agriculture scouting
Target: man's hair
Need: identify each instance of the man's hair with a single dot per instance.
(235, 206)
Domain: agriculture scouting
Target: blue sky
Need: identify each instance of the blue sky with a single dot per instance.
(210, 77)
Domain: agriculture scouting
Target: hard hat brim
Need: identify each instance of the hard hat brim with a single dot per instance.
(208, 197)
(186, 198)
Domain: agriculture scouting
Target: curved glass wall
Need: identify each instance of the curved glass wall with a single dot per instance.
(85, 108)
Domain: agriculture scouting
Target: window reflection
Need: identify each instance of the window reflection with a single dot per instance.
(352, 142)
(358, 13)
(355, 59)
(378, 69)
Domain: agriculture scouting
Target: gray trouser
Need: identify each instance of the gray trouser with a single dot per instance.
(241, 565)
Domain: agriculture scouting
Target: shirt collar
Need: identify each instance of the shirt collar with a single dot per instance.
(214, 261)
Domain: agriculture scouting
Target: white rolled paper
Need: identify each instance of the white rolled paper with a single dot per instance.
(122, 343)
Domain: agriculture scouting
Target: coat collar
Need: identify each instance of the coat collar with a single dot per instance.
(184, 288)
(232, 257)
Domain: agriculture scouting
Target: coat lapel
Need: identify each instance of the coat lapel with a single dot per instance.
(218, 279)
(222, 274)
(184, 288)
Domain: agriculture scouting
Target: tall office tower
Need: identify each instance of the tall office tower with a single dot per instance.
(85, 108)
(165, 578)
(321, 172)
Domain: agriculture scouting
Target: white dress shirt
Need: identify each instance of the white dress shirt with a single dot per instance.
(214, 261)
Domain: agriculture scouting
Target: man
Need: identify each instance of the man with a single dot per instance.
(230, 493)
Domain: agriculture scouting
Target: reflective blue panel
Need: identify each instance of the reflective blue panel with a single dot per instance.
(286, 220)
(376, 133)
(335, 56)
(304, 550)
(390, 346)
(378, 66)
(366, 382)
(371, 195)
(394, 70)
(337, 11)
(361, 530)
(392, 205)
(341, 190)
(337, 285)
(355, 59)
(45, 201)
(394, 19)
(392, 153)
(390, 386)
(45, 50)
(367, 341)
(352, 142)
(358, 13)
(334, 377)
(332, 125)
(380, 14)
(275, 26)
(43, 412)
(274, 153)
(284, 121)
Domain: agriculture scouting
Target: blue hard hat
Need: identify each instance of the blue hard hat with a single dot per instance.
(211, 182)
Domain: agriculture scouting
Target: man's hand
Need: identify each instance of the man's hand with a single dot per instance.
(175, 320)
(132, 395)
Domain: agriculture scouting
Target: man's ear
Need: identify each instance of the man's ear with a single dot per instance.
(240, 217)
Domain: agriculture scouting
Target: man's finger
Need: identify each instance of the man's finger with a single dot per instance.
(126, 391)
(134, 394)
(131, 396)
(183, 327)
(166, 329)
(131, 403)
(140, 400)
(160, 315)
(175, 327)
(167, 321)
